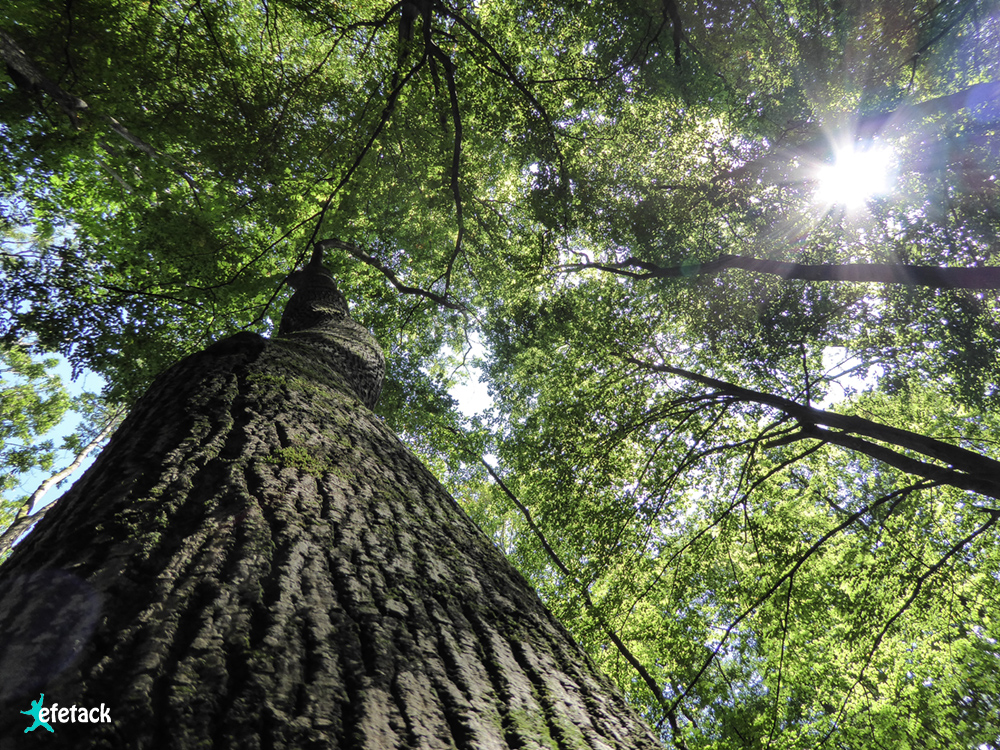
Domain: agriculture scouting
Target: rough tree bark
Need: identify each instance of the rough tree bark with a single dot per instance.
(256, 561)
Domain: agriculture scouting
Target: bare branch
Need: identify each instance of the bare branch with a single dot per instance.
(387, 272)
(982, 277)
(644, 674)
(972, 472)
(24, 519)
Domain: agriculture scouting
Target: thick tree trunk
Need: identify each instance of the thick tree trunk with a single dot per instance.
(256, 561)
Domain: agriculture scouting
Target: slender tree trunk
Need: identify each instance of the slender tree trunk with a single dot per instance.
(256, 561)
(24, 517)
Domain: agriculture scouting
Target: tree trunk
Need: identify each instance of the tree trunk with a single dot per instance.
(256, 561)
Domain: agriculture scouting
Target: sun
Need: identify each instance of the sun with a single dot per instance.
(856, 175)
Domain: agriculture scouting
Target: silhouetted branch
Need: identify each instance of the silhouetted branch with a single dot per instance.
(790, 573)
(955, 549)
(387, 272)
(868, 127)
(973, 472)
(592, 608)
(938, 277)
(456, 118)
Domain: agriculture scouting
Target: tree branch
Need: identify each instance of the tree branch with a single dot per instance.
(24, 67)
(510, 75)
(456, 118)
(983, 277)
(384, 117)
(592, 608)
(24, 519)
(868, 127)
(972, 471)
(387, 272)
(30, 75)
(955, 549)
(673, 12)
(790, 573)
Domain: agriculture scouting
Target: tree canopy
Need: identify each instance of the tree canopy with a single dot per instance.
(743, 434)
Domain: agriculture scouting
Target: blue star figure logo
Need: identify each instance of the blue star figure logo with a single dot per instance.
(35, 713)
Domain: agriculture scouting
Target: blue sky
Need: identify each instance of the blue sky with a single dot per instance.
(88, 381)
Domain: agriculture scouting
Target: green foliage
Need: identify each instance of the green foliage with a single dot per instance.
(779, 591)
(32, 401)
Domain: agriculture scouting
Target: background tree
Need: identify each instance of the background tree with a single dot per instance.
(100, 419)
(32, 401)
(781, 582)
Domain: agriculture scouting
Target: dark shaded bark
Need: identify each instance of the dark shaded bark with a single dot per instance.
(30, 79)
(256, 561)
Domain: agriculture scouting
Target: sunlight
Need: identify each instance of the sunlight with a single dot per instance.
(855, 176)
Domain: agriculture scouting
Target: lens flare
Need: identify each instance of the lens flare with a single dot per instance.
(855, 176)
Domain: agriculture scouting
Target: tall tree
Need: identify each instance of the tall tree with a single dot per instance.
(256, 561)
